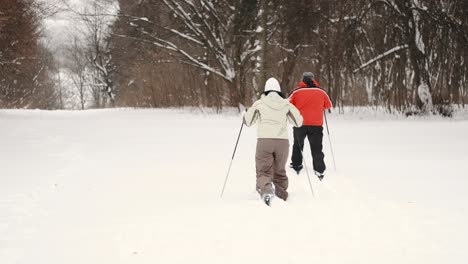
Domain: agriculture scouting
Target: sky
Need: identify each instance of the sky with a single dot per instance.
(61, 28)
(59, 31)
(58, 28)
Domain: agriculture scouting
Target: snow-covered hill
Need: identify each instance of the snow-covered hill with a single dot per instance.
(143, 186)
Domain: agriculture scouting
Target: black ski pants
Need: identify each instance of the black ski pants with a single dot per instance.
(315, 136)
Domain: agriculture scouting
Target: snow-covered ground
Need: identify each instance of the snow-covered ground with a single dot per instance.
(143, 186)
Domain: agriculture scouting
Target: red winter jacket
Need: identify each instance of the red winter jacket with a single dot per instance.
(311, 102)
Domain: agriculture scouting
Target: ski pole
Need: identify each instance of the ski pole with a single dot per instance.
(329, 139)
(303, 162)
(230, 164)
(308, 176)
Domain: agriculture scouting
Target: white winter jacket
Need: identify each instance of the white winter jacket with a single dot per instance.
(272, 114)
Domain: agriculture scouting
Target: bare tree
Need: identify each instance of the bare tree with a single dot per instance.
(25, 65)
(96, 23)
(214, 36)
(79, 69)
(390, 53)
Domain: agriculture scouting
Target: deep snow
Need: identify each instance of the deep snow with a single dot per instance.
(143, 186)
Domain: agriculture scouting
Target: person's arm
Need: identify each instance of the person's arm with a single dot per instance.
(251, 115)
(327, 104)
(294, 116)
(292, 97)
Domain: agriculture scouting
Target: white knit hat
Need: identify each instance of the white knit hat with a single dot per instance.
(272, 85)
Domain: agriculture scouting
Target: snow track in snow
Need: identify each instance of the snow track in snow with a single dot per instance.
(142, 186)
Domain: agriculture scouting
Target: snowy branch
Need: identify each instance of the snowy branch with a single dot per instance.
(346, 18)
(205, 26)
(392, 5)
(391, 51)
(289, 50)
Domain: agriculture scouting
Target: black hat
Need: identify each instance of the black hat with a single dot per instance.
(308, 75)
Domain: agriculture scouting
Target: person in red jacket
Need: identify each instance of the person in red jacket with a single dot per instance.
(311, 101)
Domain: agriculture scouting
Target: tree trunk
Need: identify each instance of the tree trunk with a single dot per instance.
(288, 71)
(262, 37)
(419, 61)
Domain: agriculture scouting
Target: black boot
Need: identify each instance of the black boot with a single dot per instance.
(319, 175)
(296, 168)
(267, 198)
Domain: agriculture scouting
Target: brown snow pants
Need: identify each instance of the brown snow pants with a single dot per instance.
(270, 162)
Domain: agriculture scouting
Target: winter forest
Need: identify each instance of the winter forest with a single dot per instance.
(195, 131)
(406, 56)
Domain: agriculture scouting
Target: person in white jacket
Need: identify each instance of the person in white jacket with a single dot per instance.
(272, 113)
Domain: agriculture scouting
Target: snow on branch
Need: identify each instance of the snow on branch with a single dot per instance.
(346, 18)
(197, 30)
(391, 4)
(208, 6)
(288, 50)
(168, 45)
(186, 19)
(395, 49)
(184, 36)
(206, 24)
